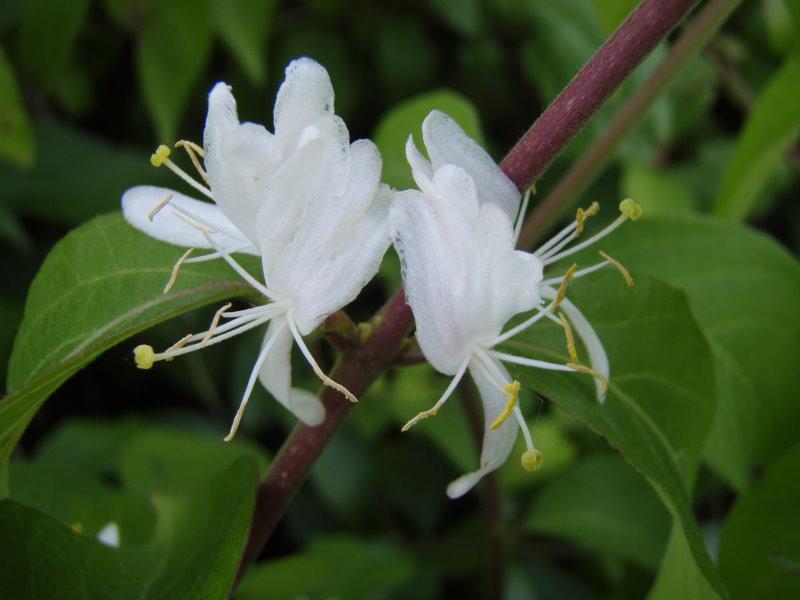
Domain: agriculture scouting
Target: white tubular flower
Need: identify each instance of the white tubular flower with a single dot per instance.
(303, 198)
(464, 280)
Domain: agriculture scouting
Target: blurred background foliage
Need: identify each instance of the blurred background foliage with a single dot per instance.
(88, 89)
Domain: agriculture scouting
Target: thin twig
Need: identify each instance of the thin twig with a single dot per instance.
(583, 172)
(359, 367)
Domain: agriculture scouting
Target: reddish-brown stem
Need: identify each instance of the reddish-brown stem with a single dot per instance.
(360, 366)
(595, 82)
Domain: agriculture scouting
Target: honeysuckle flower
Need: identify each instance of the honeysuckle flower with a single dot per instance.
(303, 198)
(464, 280)
(109, 535)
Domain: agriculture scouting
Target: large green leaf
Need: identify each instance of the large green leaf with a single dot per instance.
(760, 547)
(244, 26)
(193, 555)
(771, 127)
(89, 173)
(99, 285)
(16, 141)
(333, 567)
(660, 402)
(743, 289)
(406, 119)
(679, 576)
(48, 30)
(603, 503)
(172, 52)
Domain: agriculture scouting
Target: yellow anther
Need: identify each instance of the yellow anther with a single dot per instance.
(618, 266)
(512, 389)
(431, 412)
(589, 371)
(630, 209)
(77, 527)
(144, 356)
(562, 289)
(159, 206)
(175, 269)
(160, 156)
(533, 189)
(582, 215)
(573, 353)
(532, 459)
(179, 344)
(215, 322)
(193, 150)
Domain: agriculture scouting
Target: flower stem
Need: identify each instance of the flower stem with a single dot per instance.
(362, 365)
(583, 172)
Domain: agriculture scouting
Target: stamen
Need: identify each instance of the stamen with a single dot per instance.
(191, 148)
(179, 344)
(562, 289)
(159, 206)
(161, 157)
(573, 353)
(431, 412)
(532, 459)
(582, 215)
(512, 389)
(250, 385)
(581, 273)
(215, 255)
(618, 266)
(144, 356)
(201, 228)
(215, 322)
(521, 213)
(317, 371)
(531, 362)
(589, 371)
(238, 268)
(174, 276)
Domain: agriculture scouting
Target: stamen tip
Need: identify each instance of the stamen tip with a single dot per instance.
(160, 156)
(532, 459)
(630, 209)
(144, 356)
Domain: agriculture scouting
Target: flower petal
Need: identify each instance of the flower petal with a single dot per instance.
(305, 94)
(421, 168)
(497, 443)
(276, 376)
(138, 203)
(598, 359)
(447, 143)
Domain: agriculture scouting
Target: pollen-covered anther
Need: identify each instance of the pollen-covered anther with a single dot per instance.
(215, 322)
(582, 215)
(618, 266)
(158, 207)
(573, 352)
(512, 389)
(174, 275)
(192, 150)
(144, 355)
(589, 371)
(630, 209)
(532, 459)
(160, 156)
(562, 289)
(431, 412)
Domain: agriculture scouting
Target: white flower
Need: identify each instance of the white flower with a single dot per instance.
(464, 280)
(303, 198)
(109, 535)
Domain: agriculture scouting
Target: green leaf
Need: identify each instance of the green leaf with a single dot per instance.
(743, 289)
(99, 285)
(604, 503)
(244, 25)
(16, 141)
(332, 567)
(406, 119)
(47, 33)
(173, 50)
(194, 554)
(89, 173)
(464, 16)
(760, 547)
(771, 127)
(657, 191)
(613, 12)
(660, 402)
(679, 576)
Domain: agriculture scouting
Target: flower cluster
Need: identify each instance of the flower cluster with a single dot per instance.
(310, 204)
